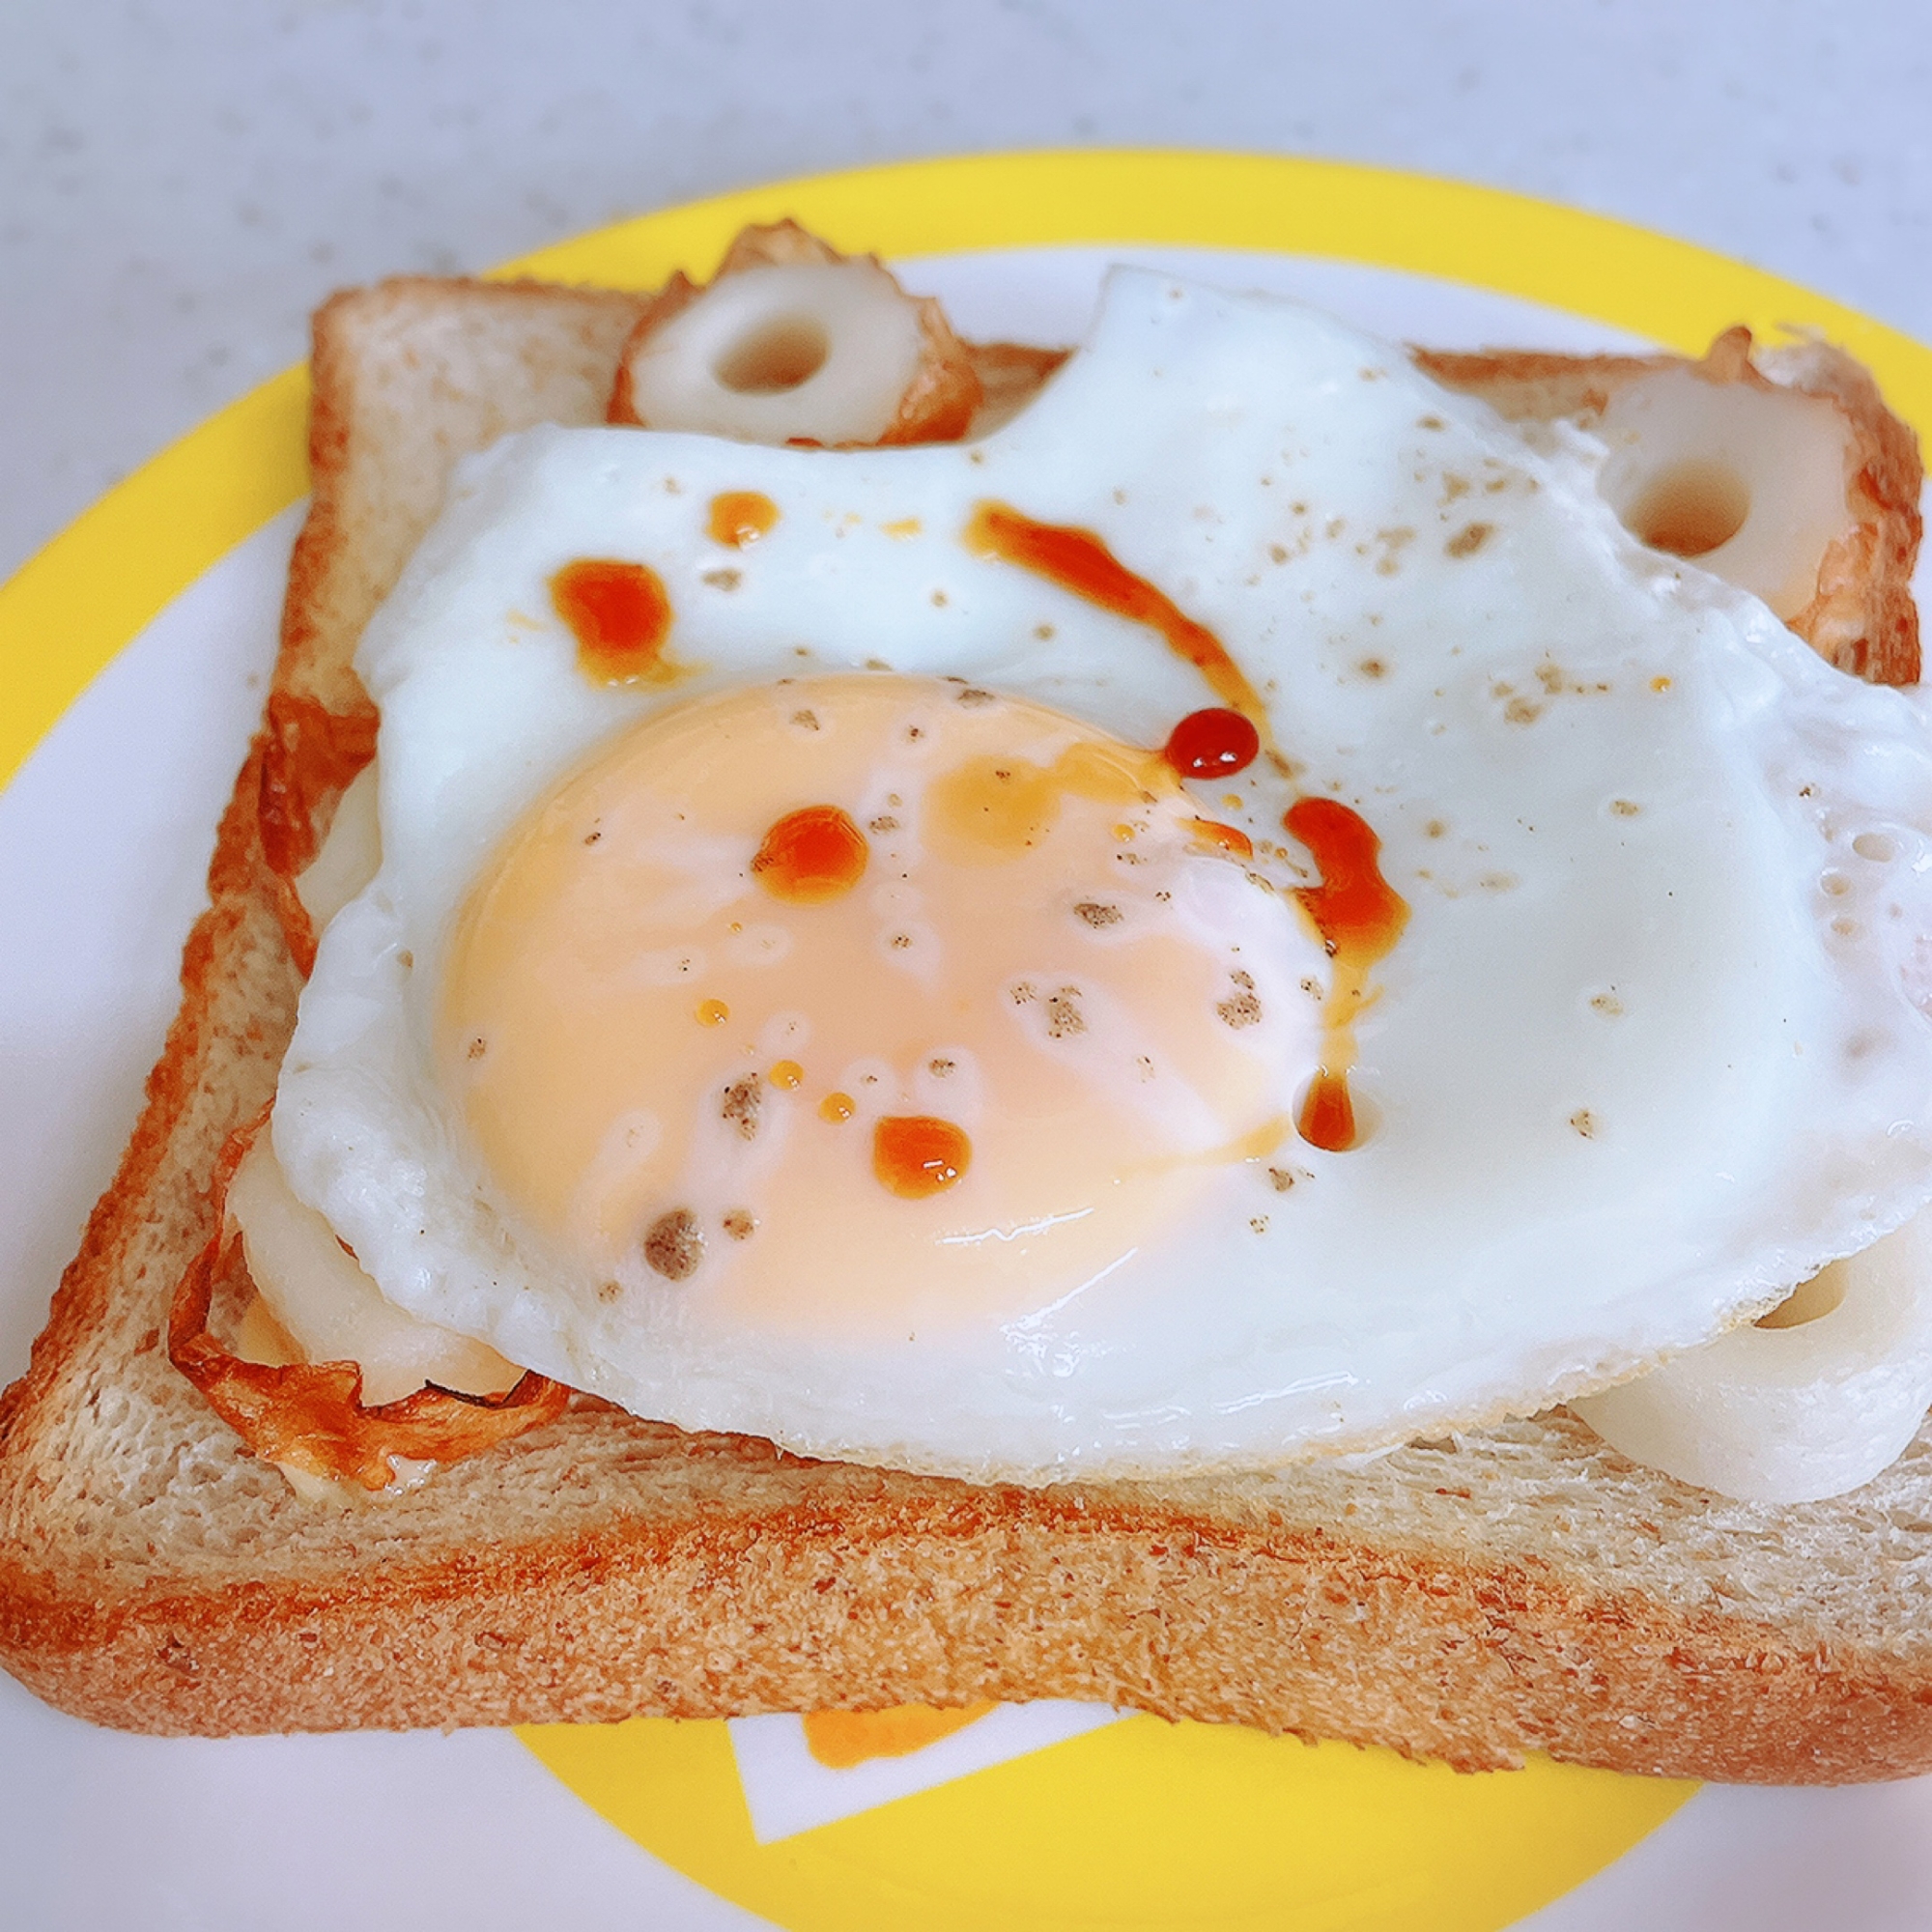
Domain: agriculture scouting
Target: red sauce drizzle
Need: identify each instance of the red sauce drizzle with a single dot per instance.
(1360, 918)
(1077, 560)
(916, 1156)
(1212, 744)
(741, 516)
(620, 615)
(812, 855)
(1328, 1113)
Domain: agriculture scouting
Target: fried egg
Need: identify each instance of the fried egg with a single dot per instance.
(799, 997)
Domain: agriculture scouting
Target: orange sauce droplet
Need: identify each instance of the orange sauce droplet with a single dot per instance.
(712, 1012)
(916, 1156)
(1211, 835)
(1358, 916)
(812, 855)
(841, 1739)
(837, 1108)
(1212, 744)
(741, 516)
(1077, 560)
(1327, 1117)
(787, 1073)
(1355, 909)
(620, 615)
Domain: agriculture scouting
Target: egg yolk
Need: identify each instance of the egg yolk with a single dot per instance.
(962, 1044)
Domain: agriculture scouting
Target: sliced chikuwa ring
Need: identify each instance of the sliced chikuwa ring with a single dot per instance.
(1811, 1400)
(803, 353)
(1747, 478)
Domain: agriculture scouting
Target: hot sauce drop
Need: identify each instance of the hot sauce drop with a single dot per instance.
(1077, 560)
(741, 516)
(1212, 744)
(620, 616)
(812, 855)
(1328, 1113)
(1211, 835)
(916, 1156)
(1360, 918)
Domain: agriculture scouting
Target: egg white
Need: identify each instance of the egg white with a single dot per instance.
(1651, 1049)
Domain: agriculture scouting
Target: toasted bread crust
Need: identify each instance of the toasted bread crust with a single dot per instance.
(691, 1575)
(845, 1587)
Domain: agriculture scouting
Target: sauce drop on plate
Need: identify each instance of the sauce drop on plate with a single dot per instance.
(841, 1739)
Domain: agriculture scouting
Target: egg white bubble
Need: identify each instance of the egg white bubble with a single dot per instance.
(1652, 1048)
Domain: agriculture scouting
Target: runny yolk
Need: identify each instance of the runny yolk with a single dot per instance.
(994, 806)
(1087, 1089)
(812, 855)
(620, 615)
(741, 516)
(1212, 744)
(1077, 560)
(916, 1156)
(1358, 916)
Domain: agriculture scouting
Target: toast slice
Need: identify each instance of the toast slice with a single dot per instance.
(1472, 1599)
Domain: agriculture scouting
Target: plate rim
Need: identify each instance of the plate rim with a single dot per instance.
(93, 586)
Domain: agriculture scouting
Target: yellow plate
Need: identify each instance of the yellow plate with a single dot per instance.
(1185, 1827)
(91, 590)
(1143, 1824)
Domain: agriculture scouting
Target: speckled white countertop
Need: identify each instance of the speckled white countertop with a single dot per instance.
(180, 184)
